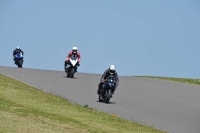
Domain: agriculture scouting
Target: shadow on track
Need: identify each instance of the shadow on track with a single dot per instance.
(70, 78)
(107, 103)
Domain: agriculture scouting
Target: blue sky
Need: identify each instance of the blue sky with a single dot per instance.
(146, 37)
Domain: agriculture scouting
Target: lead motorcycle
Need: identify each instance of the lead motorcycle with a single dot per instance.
(19, 59)
(107, 89)
(72, 66)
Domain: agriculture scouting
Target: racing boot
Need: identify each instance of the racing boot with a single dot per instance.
(112, 94)
(77, 66)
(65, 66)
(101, 93)
(14, 60)
(99, 88)
(113, 91)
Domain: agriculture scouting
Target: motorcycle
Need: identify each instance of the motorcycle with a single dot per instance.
(19, 59)
(107, 89)
(71, 66)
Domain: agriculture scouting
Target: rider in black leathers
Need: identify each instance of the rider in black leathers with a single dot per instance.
(110, 71)
(17, 50)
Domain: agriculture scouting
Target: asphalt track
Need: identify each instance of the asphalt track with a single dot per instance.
(166, 105)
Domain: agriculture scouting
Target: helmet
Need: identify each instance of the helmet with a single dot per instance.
(111, 69)
(74, 49)
(17, 47)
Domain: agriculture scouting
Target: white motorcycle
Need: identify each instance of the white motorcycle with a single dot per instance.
(72, 66)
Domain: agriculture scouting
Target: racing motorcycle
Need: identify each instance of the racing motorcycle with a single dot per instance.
(107, 89)
(71, 66)
(19, 59)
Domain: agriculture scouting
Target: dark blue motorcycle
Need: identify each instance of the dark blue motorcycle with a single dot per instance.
(19, 59)
(107, 88)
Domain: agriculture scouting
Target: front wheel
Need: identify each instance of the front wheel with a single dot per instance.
(20, 64)
(72, 73)
(108, 95)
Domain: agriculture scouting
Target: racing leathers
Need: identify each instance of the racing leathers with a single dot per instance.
(16, 51)
(104, 76)
(77, 54)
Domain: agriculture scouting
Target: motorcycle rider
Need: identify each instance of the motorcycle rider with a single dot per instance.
(74, 52)
(110, 71)
(16, 51)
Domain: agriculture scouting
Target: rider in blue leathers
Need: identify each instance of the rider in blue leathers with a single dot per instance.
(17, 50)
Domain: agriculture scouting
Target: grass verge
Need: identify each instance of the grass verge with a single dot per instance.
(183, 80)
(26, 109)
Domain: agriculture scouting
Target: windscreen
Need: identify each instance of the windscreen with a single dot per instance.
(111, 78)
(73, 57)
(18, 54)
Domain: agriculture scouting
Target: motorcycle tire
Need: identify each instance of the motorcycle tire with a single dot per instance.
(108, 95)
(20, 64)
(72, 73)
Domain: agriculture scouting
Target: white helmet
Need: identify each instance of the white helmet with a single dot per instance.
(17, 47)
(111, 69)
(74, 49)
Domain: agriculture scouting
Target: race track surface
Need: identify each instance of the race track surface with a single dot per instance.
(169, 106)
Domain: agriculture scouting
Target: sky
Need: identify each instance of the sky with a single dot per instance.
(139, 37)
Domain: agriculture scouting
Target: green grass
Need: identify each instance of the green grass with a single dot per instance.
(27, 109)
(183, 80)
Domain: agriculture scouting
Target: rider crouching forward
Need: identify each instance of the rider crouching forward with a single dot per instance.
(74, 53)
(110, 71)
(16, 51)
